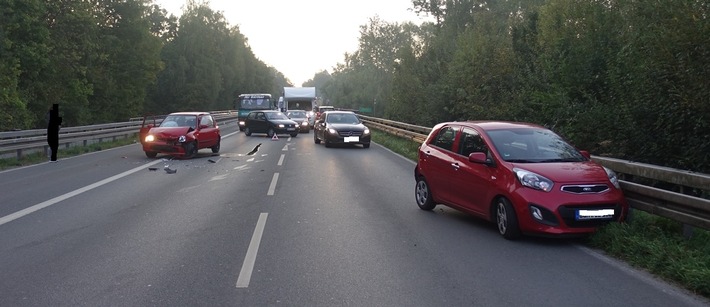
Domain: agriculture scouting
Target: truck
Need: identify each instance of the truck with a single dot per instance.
(298, 98)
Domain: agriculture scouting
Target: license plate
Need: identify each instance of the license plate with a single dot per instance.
(350, 139)
(291, 129)
(594, 214)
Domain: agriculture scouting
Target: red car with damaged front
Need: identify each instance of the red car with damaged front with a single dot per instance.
(523, 177)
(180, 134)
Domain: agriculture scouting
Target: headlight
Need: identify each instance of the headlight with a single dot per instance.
(304, 123)
(242, 123)
(149, 138)
(532, 180)
(182, 139)
(612, 177)
(281, 125)
(332, 131)
(367, 131)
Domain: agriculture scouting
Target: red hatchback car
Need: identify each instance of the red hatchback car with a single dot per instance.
(524, 177)
(180, 134)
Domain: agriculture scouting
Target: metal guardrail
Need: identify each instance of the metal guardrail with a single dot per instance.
(673, 202)
(20, 143)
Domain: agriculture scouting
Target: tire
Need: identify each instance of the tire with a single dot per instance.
(506, 219)
(315, 138)
(422, 194)
(327, 144)
(191, 150)
(151, 154)
(366, 145)
(247, 131)
(270, 133)
(215, 148)
(293, 135)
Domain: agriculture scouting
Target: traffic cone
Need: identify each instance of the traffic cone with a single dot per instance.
(274, 138)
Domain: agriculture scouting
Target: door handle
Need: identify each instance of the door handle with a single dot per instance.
(455, 165)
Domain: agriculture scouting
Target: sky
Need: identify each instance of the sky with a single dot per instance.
(300, 38)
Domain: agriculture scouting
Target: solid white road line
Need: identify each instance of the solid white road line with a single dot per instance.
(250, 259)
(272, 187)
(42, 205)
(281, 160)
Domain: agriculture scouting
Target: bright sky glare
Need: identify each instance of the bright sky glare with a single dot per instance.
(301, 38)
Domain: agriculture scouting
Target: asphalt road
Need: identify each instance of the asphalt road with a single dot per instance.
(293, 224)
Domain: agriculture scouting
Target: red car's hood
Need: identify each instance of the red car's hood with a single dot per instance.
(169, 131)
(578, 172)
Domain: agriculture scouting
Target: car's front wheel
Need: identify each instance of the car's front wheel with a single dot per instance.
(247, 131)
(315, 137)
(506, 219)
(270, 132)
(423, 195)
(215, 148)
(191, 149)
(151, 154)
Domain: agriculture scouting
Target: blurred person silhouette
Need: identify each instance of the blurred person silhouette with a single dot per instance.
(54, 122)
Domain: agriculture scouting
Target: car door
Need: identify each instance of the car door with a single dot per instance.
(438, 166)
(470, 181)
(258, 122)
(209, 136)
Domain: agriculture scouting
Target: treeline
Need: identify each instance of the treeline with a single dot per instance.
(623, 78)
(109, 60)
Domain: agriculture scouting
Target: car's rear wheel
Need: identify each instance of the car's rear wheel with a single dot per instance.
(191, 149)
(247, 131)
(423, 195)
(270, 132)
(506, 219)
(215, 148)
(315, 138)
(151, 154)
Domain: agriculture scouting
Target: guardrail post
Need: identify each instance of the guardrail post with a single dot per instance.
(687, 229)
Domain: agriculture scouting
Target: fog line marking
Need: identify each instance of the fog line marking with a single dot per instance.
(47, 203)
(272, 187)
(250, 259)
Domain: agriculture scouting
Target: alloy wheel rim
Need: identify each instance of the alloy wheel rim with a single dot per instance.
(502, 218)
(421, 193)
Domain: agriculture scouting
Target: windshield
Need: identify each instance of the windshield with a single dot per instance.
(276, 115)
(531, 145)
(180, 121)
(296, 114)
(255, 103)
(339, 118)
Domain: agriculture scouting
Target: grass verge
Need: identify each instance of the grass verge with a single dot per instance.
(648, 242)
(39, 157)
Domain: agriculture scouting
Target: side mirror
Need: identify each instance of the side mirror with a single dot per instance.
(479, 157)
(586, 154)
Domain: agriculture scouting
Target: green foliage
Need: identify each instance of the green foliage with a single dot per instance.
(108, 60)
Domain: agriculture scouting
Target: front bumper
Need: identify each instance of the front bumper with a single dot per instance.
(563, 214)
